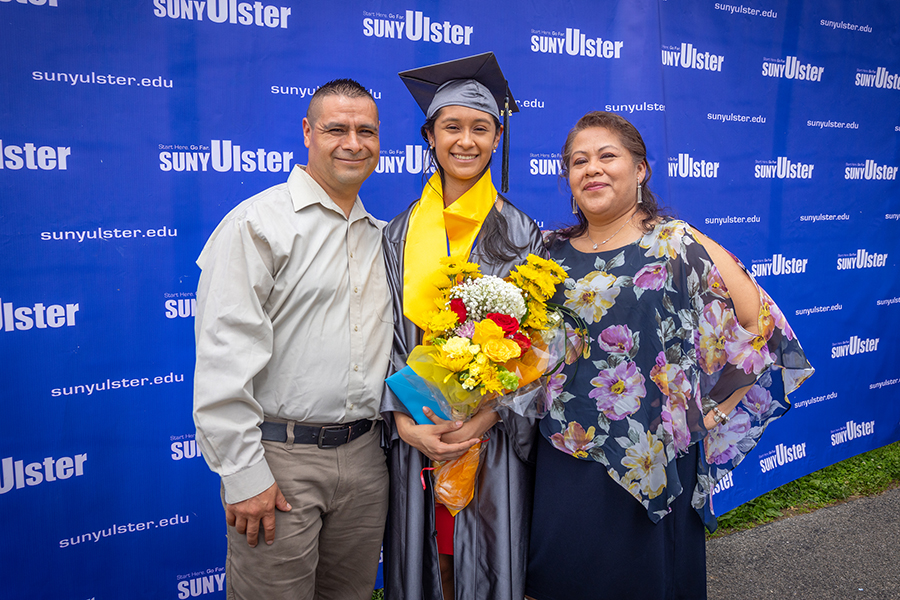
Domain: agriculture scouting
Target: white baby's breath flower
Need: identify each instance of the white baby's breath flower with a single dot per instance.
(489, 294)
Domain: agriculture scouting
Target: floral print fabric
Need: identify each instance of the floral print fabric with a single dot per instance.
(664, 345)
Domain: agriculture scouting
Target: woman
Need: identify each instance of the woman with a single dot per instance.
(687, 362)
(482, 552)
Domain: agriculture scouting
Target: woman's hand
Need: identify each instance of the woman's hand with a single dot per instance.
(709, 421)
(428, 439)
(726, 407)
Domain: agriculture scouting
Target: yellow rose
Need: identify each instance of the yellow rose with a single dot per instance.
(487, 330)
(501, 350)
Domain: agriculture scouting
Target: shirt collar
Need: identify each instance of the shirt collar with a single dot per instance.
(305, 192)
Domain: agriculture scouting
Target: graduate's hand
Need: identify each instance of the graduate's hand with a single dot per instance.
(429, 439)
(475, 427)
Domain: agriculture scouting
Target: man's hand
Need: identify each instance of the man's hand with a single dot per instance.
(427, 438)
(246, 516)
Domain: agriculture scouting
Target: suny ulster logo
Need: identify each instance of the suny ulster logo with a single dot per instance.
(23, 318)
(778, 265)
(852, 431)
(180, 308)
(224, 11)
(782, 168)
(870, 170)
(574, 43)
(723, 484)
(222, 156)
(686, 166)
(35, 2)
(863, 259)
(879, 78)
(184, 446)
(791, 68)
(16, 474)
(199, 584)
(856, 345)
(409, 160)
(544, 164)
(32, 157)
(688, 57)
(415, 26)
(781, 456)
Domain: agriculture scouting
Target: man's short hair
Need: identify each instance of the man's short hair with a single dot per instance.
(349, 88)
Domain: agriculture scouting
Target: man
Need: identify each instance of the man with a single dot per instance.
(293, 331)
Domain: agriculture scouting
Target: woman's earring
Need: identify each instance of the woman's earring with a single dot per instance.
(640, 196)
(574, 206)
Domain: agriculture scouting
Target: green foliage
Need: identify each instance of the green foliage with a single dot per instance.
(378, 595)
(864, 475)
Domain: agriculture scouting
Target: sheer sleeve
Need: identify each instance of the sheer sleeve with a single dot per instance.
(729, 358)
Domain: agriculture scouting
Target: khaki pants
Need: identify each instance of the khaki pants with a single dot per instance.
(327, 547)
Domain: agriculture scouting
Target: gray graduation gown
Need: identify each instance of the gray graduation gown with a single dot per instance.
(491, 533)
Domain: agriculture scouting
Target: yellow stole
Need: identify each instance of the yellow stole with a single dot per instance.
(432, 228)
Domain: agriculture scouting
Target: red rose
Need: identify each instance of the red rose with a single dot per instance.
(508, 324)
(522, 340)
(459, 307)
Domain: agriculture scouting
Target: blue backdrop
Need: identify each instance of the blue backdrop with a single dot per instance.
(128, 129)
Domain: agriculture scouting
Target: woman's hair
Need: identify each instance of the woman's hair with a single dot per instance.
(494, 234)
(631, 139)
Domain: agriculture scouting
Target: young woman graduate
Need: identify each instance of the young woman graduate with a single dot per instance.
(482, 552)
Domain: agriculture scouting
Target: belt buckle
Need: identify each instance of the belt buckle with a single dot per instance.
(322, 431)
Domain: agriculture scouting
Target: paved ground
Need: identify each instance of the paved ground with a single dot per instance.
(847, 551)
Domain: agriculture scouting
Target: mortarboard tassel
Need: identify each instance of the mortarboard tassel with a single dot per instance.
(504, 184)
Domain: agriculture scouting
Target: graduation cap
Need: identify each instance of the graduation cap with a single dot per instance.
(475, 82)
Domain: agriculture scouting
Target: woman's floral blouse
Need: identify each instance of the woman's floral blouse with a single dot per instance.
(663, 346)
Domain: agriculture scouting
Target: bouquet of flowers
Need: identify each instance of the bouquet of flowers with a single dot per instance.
(490, 343)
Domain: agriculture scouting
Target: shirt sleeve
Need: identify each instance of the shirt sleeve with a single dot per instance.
(405, 335)
(234, 342)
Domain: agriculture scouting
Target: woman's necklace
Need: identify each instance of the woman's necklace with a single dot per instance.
(588, 231)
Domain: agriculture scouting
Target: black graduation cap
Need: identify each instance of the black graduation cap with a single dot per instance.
(474, 81)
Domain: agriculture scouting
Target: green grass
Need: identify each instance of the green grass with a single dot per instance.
(867, 474)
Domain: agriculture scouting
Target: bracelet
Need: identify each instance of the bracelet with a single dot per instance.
(719, 417)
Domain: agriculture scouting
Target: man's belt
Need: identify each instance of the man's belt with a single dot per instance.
(327, 436)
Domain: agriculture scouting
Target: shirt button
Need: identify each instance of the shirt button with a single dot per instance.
(356, 328)
(351, 255)
(356, 290)
(350, 407)
(356, 367)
